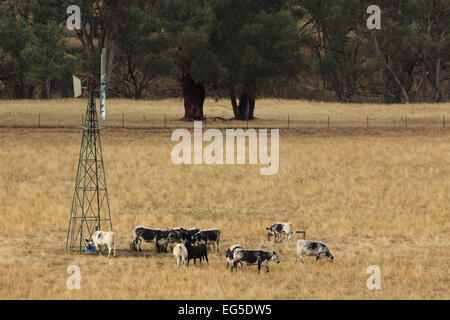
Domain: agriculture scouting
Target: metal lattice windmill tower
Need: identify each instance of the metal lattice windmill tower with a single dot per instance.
(90, 205)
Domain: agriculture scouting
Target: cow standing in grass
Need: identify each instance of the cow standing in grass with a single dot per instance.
(100, 239)
(196, 252)
(252, 257)
(180, 253)
(211, 236)
(159, 237)
(279, 228)
(312, 248)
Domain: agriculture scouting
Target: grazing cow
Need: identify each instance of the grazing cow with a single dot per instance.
(249, 257)
(180, 253)
(230, 252)
(159, 237)
(196, 252)
(212, 236)
(312, 248)
(278, 228)
(101, 238)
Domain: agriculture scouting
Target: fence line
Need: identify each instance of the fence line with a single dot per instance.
(39, 120)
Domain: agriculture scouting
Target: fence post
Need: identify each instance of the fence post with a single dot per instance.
(39, 120)
(367, 122)
(82, 119)
(443, 121)
(165, 121)
(328, 121)
(289, 123)
(123, 121)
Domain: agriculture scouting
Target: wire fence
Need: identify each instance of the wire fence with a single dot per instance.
(133, 121)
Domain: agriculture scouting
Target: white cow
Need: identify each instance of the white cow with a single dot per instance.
(180, 253)
(101, 238)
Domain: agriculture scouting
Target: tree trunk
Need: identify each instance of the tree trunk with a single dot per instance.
(194, 97)
(233, 101)
(424, 87)
(385, 85)
(448, 90)
(245, 109)
(48, 89)
(437, 84)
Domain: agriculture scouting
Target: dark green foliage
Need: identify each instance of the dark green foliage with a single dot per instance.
(255, 41)
(412, 46)
(142, 54)
(337, 38)
(32, 48)
(239, 49)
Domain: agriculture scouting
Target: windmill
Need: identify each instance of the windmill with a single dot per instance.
(90, 209)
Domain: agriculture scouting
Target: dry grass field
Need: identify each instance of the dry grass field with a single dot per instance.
(376, 197)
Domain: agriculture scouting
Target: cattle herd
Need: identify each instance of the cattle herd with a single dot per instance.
(191, 244)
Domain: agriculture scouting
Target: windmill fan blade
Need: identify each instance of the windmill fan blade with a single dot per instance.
(103, 85)
(76, 87)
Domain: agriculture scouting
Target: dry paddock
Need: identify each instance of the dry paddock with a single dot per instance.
(376, 197)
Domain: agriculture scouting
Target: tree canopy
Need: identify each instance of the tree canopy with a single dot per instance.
(238, 49)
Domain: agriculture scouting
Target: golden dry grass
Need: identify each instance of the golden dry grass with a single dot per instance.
(375, 197)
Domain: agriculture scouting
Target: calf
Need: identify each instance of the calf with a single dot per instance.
(230, 252)
(212, 236)
(249, 257)
(180, 253)
(312, 248)
(278, 228)
(101, 238)
(159, 237)
(196, 252)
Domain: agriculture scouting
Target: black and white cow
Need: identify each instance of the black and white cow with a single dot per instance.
(158, 236)
(211, 236)
(251, 257)
(312, 248)
(102, 239)
(230, 253)
(278, 228)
